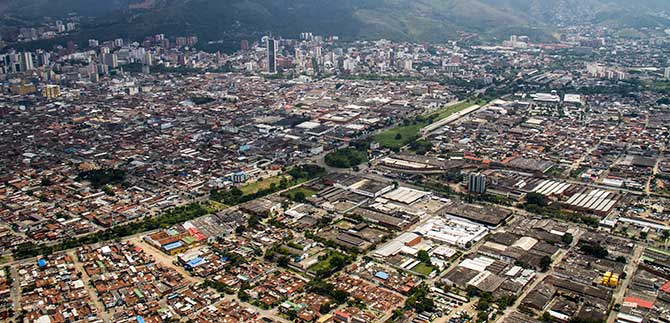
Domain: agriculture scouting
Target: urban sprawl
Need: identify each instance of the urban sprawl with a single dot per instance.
(320, 180)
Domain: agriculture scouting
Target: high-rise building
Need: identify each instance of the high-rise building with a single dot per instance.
(181, 41)
(26, 61)
(148, 59)
(318, 54)
(110, 60)
(51, 91)
(271, 48)
(477, 183)
(667, 73)
(298, 58)
(60, 27)
(44, 59)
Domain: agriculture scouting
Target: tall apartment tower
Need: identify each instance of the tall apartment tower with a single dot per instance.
(271, 47)
(477, 183)
(26, 61)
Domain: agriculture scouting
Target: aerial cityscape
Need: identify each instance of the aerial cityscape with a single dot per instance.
(363, 161)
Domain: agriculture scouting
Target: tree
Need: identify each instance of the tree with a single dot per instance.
(545, 262)
(253, 221)
(339, 296)
(235, 191)
(45, 182)
(545, 317)
(299, 196)
(423, 256)
(594, 250)
(283, 261)
(422, 146)
(345, 158)
(337, 262)
(536, 199)
(102, 177)
(567, 239)
(398, 136)
(240, 229)
(418, 299)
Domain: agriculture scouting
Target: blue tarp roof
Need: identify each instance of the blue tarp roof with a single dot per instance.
(139, 319)
(42, 262)
(382, 275)
(195, 262)
(173, 245)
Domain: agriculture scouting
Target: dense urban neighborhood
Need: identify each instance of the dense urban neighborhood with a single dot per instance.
(314, 179)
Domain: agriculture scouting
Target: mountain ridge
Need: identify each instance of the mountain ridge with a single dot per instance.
(416, 20)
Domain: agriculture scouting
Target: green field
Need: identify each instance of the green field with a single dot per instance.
(330, 262)
(320, 266)
(423, 269)
(290, 194)
(448, 111)
(262, 184)
(390, 139)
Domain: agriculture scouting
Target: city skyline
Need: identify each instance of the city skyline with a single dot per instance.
(355, 161)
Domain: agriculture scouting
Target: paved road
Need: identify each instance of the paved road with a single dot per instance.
(661, 156)
(92, 292)
(630, 269)
(15, 292)
(539, 278)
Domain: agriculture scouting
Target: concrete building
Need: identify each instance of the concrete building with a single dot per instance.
(51, 91)
(477, 183)
(26, 61)
(271, 48)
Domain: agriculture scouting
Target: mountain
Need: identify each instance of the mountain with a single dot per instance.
(56, 8)
(417, 20)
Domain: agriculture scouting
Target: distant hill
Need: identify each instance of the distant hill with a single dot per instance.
(56, 8)
(417, 20)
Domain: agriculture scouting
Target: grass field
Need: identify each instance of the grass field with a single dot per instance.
(390, 139)
(447, 111)
(423, 269)
(290, 194)
(217, 206)
(324, 265)
(262, 184)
